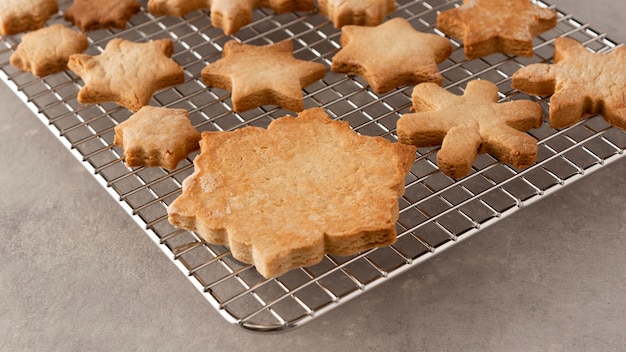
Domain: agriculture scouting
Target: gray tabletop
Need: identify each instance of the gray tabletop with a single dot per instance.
(551, 277)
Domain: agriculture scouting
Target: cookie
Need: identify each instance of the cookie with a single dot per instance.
(581, 83)
(281, 197)
(470, 124)
(495, 26)
(18, 16)
(47, 50)
(157, 136)
(262, 75)
(126, 72)
(391, 55)
(229, 15)
(356, 12)
(89, 15)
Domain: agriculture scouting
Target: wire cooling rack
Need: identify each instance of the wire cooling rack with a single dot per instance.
(436, 211)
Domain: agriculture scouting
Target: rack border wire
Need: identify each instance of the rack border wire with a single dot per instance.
(436, 212)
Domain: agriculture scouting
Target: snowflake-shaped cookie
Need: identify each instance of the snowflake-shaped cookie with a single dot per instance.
(157, 136)
(95, 14)
(281, 197)
(47, 50)
(582, 82)
(261, 75)
(356, 12)
(126, 72)
(391, 55)
(491, 26)
(230, 15)
(470, 124)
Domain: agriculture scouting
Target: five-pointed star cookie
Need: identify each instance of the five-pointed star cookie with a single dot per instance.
(356, 12)
(18, 16)
(95, 14)
(157, 136)
(491, 26)
(470, 124)
(47, 50)
(261, 75)
(281, 197)
(126, 72)
(230, 15)
(582, 83)
(391, 55)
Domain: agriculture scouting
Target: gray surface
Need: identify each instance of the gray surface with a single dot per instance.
(79, 275)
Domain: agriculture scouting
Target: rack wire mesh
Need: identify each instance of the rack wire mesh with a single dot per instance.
(436, 211)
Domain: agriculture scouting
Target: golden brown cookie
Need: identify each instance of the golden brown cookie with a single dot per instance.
(262, 75)
(581, 82)
(281, 197)
(492, 26)
(157, 136)
(391, 55)
(47, 50)
(356, 12)
(230, 15)
(25, 15)
(89, 15)
(470, 124)
(126, 72)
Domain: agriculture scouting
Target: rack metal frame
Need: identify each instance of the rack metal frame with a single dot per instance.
(436, 212)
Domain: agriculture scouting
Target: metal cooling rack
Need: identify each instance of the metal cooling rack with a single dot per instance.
(436, 212)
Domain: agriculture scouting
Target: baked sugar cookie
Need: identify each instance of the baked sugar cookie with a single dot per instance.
(89, 15)
(157, 136)
(281, 197)
(492, 26)
(126, 72)
(467, 125)
(229, 15)
(262, 75)
(356, 12)
(391, 55)
(580, 82)
(47, 50)
(18, 16)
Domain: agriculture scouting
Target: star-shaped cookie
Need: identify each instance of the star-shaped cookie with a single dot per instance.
(262, 75)
(18, 16)
(581, 82)
(95, 14)
(391, 55)
(492, 26)
(230, 15)
(126, 72)
(281, 197)
(356, 12)
(157, 136)
(47, 50)
(470, 124)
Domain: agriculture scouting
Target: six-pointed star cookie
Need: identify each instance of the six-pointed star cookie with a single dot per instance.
(126, 72)
(95, 14)
(25, 15)
(261, 75)
(281, 197)
(582, 83)
(230, 15)
(470, 124)
(157, 136)
(48, 49)
(391, 55)
(491, 26)
(356, 12)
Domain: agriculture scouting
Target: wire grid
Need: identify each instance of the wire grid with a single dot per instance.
(436, 211)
